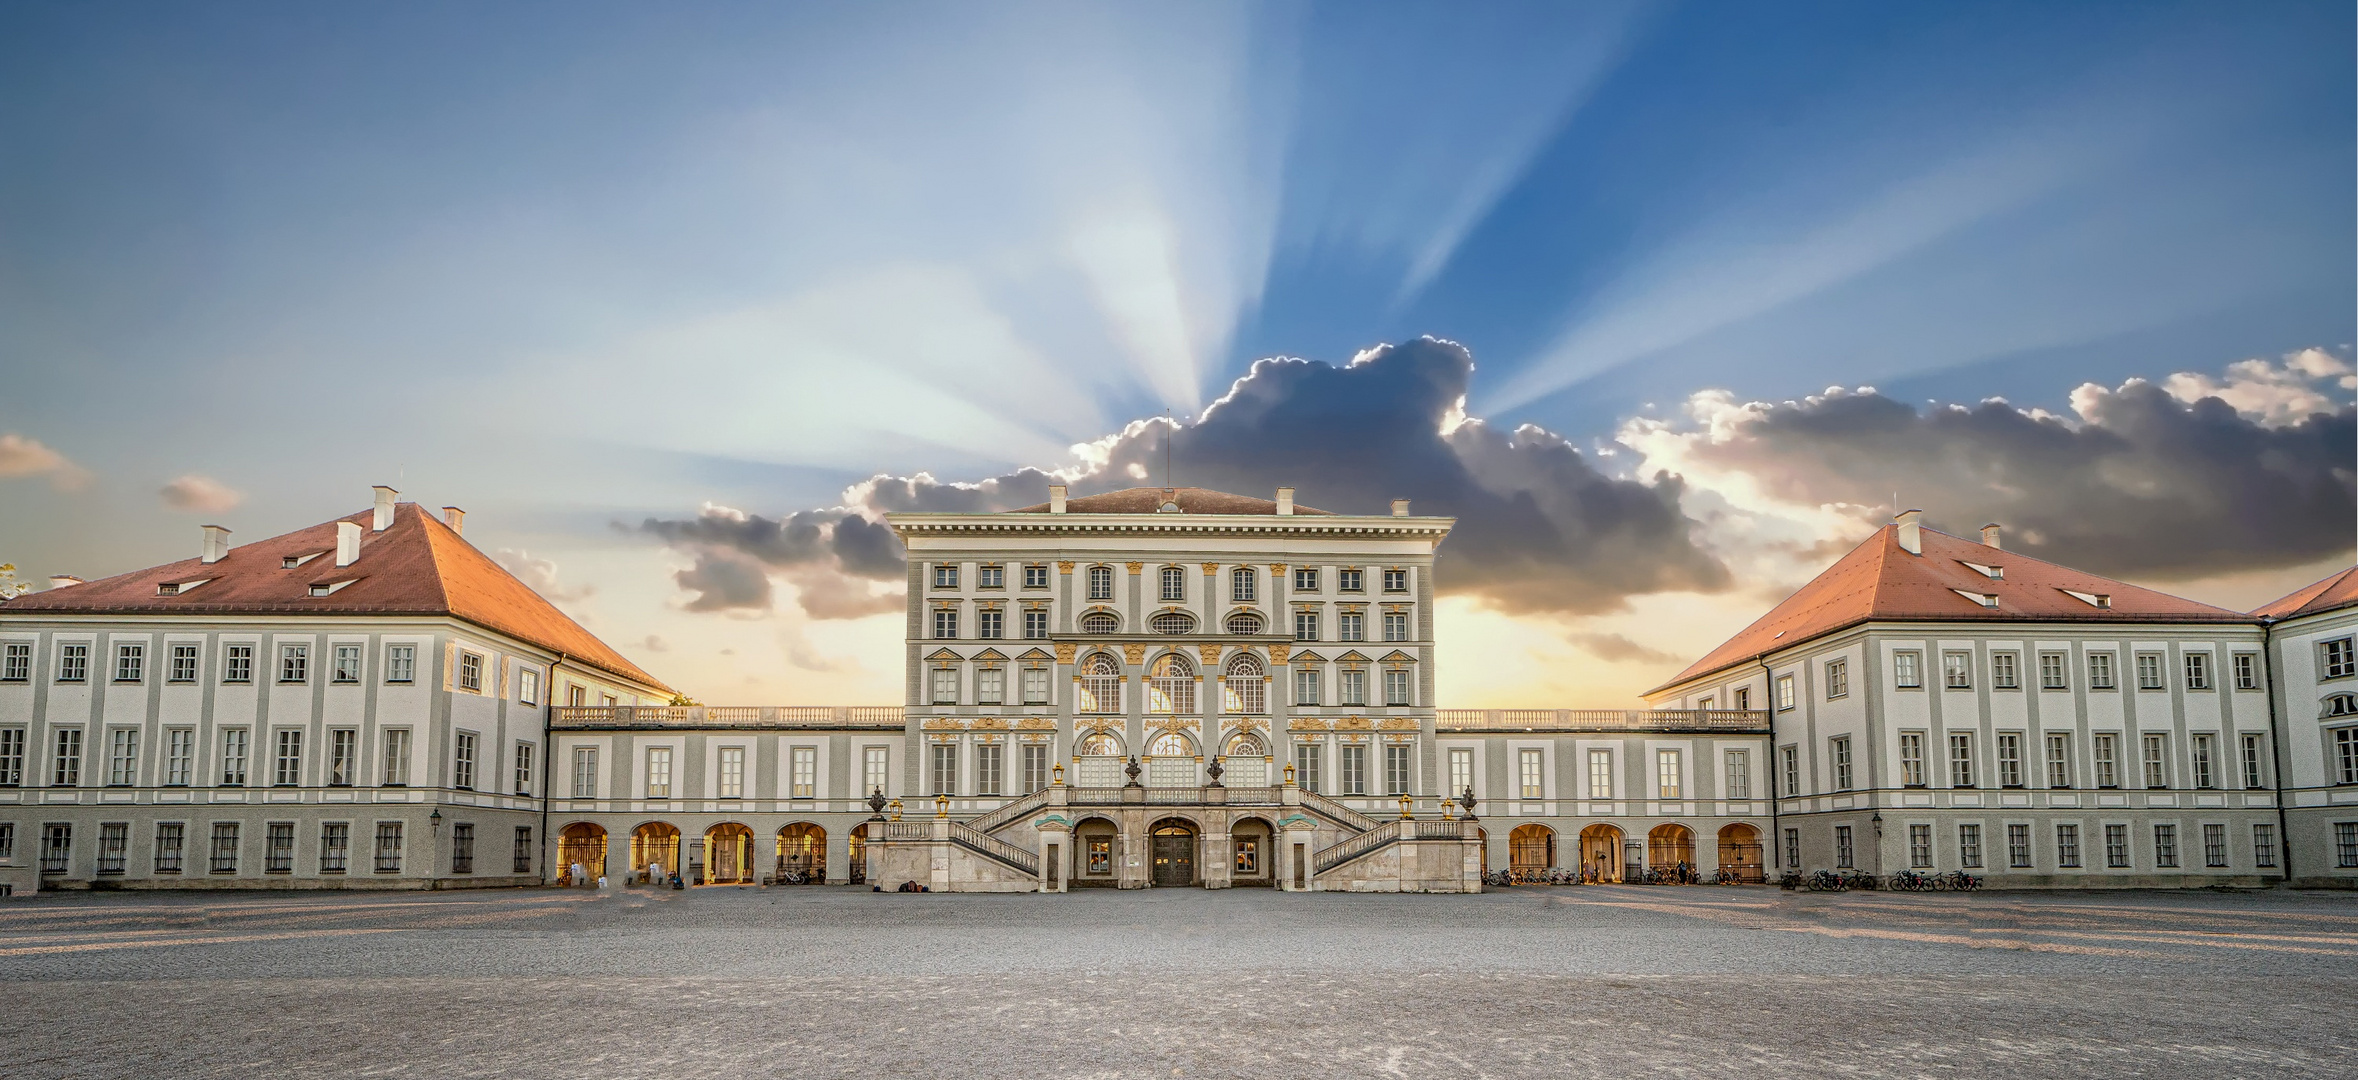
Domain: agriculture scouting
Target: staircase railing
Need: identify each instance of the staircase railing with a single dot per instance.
(1342, 814)
(991, 847)
(1383, 836)
(1009, 812)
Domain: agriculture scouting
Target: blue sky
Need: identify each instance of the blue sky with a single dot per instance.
(575, 265)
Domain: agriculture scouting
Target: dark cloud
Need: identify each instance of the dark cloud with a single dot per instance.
(726, 580)
(1539, 527)
(2142, 483)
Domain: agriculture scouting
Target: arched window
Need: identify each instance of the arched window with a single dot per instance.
(1170, 761)
(1172, 622)
(1099, 744)
(1244, 622)
(1244, 585)
(1100, 689)
(1244, 690)
(1100, 622)
(1170, 744)
(2342, 705)
(1101, 583)
(1174, 583)
(1170, 685)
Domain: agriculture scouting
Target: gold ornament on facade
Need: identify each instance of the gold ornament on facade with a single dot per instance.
(1307, 723)
(1353, 723)
(1278, 653)
(1399, 723)
(990, 723)
(1063, 567)
(1211, 568)
(1277, 568)
(1036, 723)
(1064, 651)
(1134, 652)
(1210, 651)
(943, 723)
(1134, 567)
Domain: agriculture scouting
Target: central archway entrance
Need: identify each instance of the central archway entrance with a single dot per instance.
(1531, 849)
(654, 852)
(582, 844)
(1173, 843)
(728, 854)
(802, 854)
(1600, 853)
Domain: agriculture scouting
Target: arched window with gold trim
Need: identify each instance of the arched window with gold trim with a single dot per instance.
(1170, 685)
(1170, 760)
(1100, 685)
(1245, 689)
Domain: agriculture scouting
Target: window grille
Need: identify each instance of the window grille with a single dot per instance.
(1306, 687)
(73, 663)
(66, 769)
(1305, 626)
(2018, 846)
(2263, 845)
(57, 848)
(1035, 576)
(990, 624)
(987, 771)
(2051, 671)
(388, 853)
(1739, 764)
(401, 663)
(1969, 845)
(1961, 760)
(2058, 761)
(1666, 773)
(1396, 770)
(805, 777)
(2214, 845)
(2003, 675)
(1353, 684)
(1919, 846)
(1244, 622)
(335, 847)
(287, 766)
(2337, 658)
(1837, 679)
(1172, 622)
(170, 838)
(1099, 689)
(585, 772)
(347, 664)
(1174, 584)
(1842, 776)
(462, 849)
(1353, 769)
(1396, 686)
(732, 773)
(2116, 846)
(2165, 845)
(990, 576)
(1532, 773)
(1906, 669)
(114, 838)
(1245, 689)
(278, 847)
(1100, 622)
(224, 847)
(523, 852)
(233, 757)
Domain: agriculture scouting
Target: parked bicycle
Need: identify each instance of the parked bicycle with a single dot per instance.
(1858, 879)
(1911, 881)
(1827, 881)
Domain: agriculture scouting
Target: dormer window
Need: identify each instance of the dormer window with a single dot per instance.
(327, 588)
(1994, 573)
(1987, 600)
(169, 588)
(293, 561)
(2094, 600)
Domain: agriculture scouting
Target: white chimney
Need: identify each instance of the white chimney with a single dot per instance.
(1399, 508)
(455, 518)
(1056, 498)
(384, 519)
(1911, 531)
(1989, 536)
(59, 581)
(1285, 501)
(216, 543)
(347, 543)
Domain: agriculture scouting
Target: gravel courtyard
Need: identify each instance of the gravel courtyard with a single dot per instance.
(820, 982)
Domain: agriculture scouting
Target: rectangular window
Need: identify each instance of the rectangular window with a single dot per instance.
(1461, 770)
(2165, 845)
(1969, 846)
(335, 846)
(2247, 671)
(2263, 845)
(401, 663)
(2251, 761)
(2100, 671)
(2051, 671)
(2198, 671)
(2156, 765)
(2149, 668)
(945, 575)
(233, 757)
(1956, 670)
(2108, 761)
(1035, 684)
(1035, 767)
(12, 757)
(1035, 575)
(462, 849)
(278, 847)
(945, 623)
(1531, 774)
(57, 848)
(522, 862)
(945, 686)
(1907, 669)
(2337, 659)
(524, 756)
(397, 757)
(347, 669)
(2204, 775)
(294, 663)
(16, 662)
(2058, 761)
(1837, 679)
(2345, 750)
(130, 663)
(1347, 579)
(1353, 769)
(1035, 624)
(1600, 772)
(1961, 760)
(2009, 759)
(1396, 765)
(388, 857)
(528, 686)
(1395, 581)
(1351, 626)
(73, 663)
(1174, 585)
(65, 769)
(1307, 760)
(732, 772)
(1741, 699)
(1666, 774)
(2214, 845)
(659, 772)
(805, 773)
(2116, 846)
(990, 576)
(585, 772)
(1843, 855)
(2018, 851)
(224, 847)
(1395, 626)
(179, 757)
(184, 664)
(1792, 763)
(287, 764)
(122, 757)
(171, 842)
(462, 772)
(1305, 626)
(1739, 774)
(1842, 777)
(1920, 847)
(114, 839)
(1305, 579)
(2003, 675)
(1354, 685)
(1305, 685)
(873, 765)
(1396, 686)
(1911, 745)
(990, 624)
(2345, 844)
(1784, 692)
(945, 768)
(1792, 849)
(990, 685)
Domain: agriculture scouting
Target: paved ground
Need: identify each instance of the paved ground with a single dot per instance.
(1564, 982)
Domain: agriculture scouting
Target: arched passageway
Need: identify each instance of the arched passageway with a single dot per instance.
(1531, 848)
(1740, 853)
(654, 851)
(1172, 843)
(802, 854)
(1600, 853)
(728, 854)
(581, 844)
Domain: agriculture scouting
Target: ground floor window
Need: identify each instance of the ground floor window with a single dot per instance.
(1792, 849)
(170, 836)
(2018, 848)
(335, 847)
(1100, 855)
(2264, 845)
(114, 838)
(278, 848)
(462, 849)
(2214, 845)
(2165, 845)
(2116, 846)
(1920, 846)
(1842, 852)
(1248, 857)
(523, 863)
(225, 847)
(388, 857)
(2345, 843)
(57, 845)
(2067, 845)
(1969, 845)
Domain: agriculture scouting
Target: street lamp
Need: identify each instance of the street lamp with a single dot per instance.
(436, 821)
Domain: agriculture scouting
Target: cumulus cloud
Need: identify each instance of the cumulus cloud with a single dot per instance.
(1540, 527)
(201, 495)
(540, 575)
(22, 456)
(655, 643)
(2183, 478)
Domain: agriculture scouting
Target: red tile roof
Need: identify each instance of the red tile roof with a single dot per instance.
(417, 566)
(2337, 591)
(1880, 581)
(1148, 500)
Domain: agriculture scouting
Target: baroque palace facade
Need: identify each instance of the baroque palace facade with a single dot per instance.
(1159, 687)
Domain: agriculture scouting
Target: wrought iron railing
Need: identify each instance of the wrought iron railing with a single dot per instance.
(1720, 720)
(984, 844)
(865, 717)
